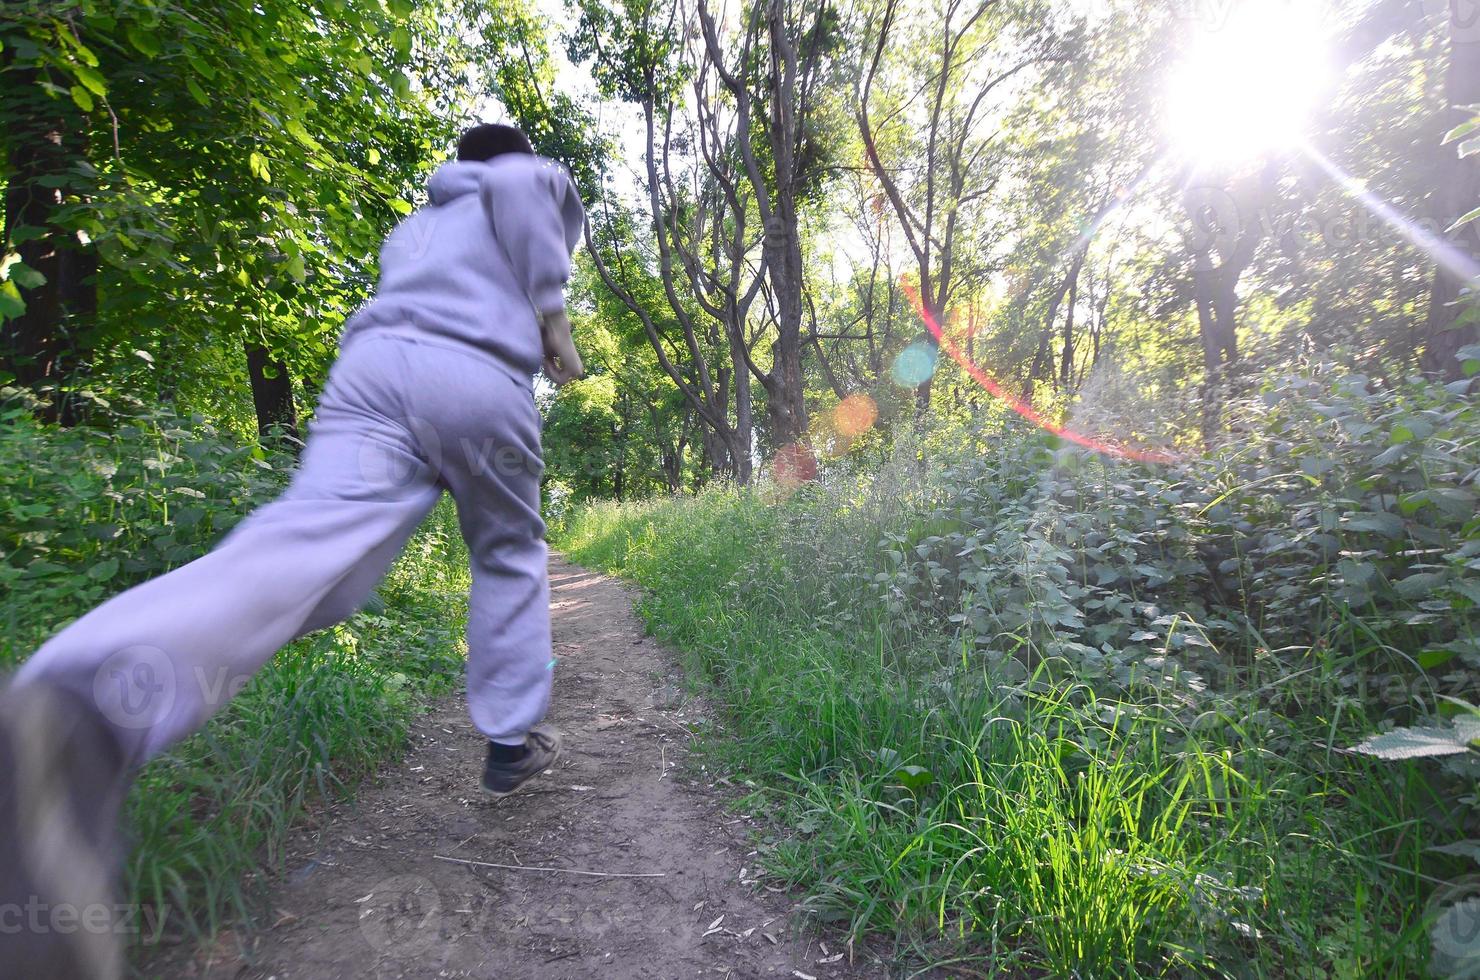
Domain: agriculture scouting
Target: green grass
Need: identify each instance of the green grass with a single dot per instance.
(85, 513)
(999, 821)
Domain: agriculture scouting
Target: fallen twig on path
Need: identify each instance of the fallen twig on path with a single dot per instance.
(564, 871)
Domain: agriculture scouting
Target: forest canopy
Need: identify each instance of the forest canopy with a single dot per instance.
(1107, 216)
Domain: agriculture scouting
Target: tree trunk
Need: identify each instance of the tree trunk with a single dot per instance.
(786, 405)
(1042, 361)
(775, 196)
(272, 394)
(48, 342)
(924, 388)
(1066, 358)
(1227, 226)
(740, 436)
(1456, 192)
(619, 429)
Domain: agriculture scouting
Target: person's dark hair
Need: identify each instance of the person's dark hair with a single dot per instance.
(490, 140)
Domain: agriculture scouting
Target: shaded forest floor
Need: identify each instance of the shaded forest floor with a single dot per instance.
(369, 892)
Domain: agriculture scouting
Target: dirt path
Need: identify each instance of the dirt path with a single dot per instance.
(367, 896)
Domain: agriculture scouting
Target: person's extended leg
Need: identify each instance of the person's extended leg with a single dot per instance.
(489, 429)
(151, 665)
(508, 673)
(61, 787)
(161, 658)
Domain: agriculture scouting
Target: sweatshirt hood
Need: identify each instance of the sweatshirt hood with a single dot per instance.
(454, 179)
(458, 177)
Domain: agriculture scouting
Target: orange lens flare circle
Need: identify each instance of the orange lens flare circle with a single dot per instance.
(981, 377)
(855, 415)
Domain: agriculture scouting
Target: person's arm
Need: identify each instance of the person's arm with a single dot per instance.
(537, 218)
(562, 360)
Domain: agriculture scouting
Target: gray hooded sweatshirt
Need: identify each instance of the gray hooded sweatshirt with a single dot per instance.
(474, 265)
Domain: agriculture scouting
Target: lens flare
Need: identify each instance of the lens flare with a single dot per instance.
(1248, 86)
(1027, 411)
(855, 415)
(832, 433)
(915, 365)
(794, 465)
(1444, 254)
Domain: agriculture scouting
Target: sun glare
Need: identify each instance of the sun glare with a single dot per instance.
(1248, 84)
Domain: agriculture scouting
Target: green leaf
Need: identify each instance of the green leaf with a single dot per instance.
(258, 164)
(145, 42)
(401, 41)
(1388, 525)
(401, 85)
(26, 277)
(11, 304)
(203, 68)
(914, 778)
(26, 233)
(1430, 659)
(103, 570)
(1416, 743)
(1469, 357)
(196, 92)
(1419, 584)
(82, 97)
(1460, 848)
(1461, 131)
(90, 79)
(295, 129)
(1356, 573)
(1464, 219)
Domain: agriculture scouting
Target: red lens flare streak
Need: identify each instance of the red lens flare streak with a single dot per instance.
(1017, 404)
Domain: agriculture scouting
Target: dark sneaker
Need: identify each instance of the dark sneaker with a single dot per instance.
(502, 778)
(62, 782)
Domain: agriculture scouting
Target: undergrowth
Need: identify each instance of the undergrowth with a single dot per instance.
(1027, 707)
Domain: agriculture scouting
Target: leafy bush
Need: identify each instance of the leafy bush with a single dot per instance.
(89, 512)
(1090, 716)
(1339, 535)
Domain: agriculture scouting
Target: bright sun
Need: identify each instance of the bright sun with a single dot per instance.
(1248, 83)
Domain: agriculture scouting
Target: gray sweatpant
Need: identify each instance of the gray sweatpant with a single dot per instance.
(401, 418)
